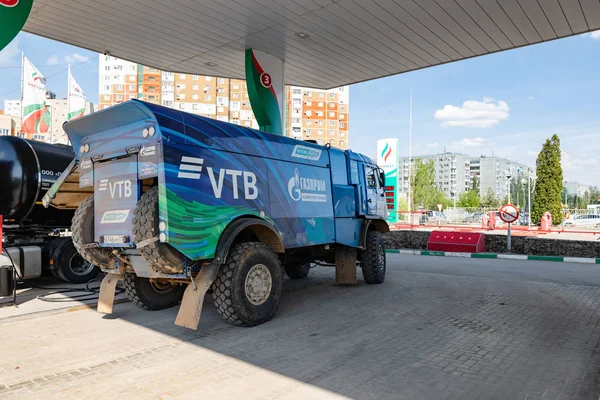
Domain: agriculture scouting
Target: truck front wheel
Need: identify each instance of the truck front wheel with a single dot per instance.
(372, 259)
(297, 271)
(249, 285)
(73, 268)
(151, 295)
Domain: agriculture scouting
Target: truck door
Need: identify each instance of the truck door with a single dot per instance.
(372, 189)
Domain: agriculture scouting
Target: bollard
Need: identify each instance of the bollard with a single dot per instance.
(491, 220)
(546, 222)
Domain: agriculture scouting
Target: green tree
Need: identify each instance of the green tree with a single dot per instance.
(490, 200)
(476, 184)
(549, 183)
(469, 199)
(424, 192)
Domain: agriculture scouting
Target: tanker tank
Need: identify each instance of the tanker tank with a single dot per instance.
(27, 170)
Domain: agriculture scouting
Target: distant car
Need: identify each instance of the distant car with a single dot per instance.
(523, 219)
(474, 218)
(582, 221)
(433, 217)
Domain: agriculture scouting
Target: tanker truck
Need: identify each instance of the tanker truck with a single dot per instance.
(36, 238)
(177, 203)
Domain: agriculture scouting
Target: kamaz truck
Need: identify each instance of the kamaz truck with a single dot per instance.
(178, 204)
(35, 239)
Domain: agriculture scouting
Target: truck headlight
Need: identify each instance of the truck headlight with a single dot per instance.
(145, 132)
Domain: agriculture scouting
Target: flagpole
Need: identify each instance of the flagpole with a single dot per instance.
(22, 89)
(410, 159)
(68, 92)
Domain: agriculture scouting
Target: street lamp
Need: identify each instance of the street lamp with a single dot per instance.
(508, 176)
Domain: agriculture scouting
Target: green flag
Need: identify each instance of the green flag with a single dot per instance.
(13, 14)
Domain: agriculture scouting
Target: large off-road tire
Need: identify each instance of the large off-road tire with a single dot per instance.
(151, 295)
(160, 256)
(82, 228)
(297, 271)
(249, 285)
(372, 259)
(73, 268)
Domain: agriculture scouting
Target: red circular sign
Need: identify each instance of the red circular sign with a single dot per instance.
(265, 80)
(9, 3)
(509, 213)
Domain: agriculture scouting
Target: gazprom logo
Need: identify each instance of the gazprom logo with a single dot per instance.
(306, 152)
(387, 151)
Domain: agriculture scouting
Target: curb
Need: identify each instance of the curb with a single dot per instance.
(499, 256)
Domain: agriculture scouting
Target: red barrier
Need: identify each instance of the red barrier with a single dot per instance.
(0, 234)
(464, 242)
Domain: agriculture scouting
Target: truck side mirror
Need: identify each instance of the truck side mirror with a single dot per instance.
(382, 178)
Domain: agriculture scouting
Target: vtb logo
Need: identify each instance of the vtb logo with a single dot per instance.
(387, 151)
(9, 3)
(118, 189)
(191, 168)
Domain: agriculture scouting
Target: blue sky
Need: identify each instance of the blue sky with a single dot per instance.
(506, 103)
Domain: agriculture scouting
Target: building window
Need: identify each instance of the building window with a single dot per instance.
(208, 78)
(331, 114)
(342, 107)
(106, 97)
(131, 78)
(297, 102)
(107, 77)
(320, 131)
(320, 141)
(236, 95)
(331, 123)
(194, 87)
(342, 125)
(296, 91)
(236, 86)
(131, 87)
(341, 134)
(308, 132)
(321, 94)
(247, 123)
(332, 95)
(181, 86)
(194, 106)
(341, 143)
(107, 68)
(320, 104)
(194, 97)
(332, 142)
(342, 116)
(296, 120)
(308, 94)
(221, 81)
(195, 77)
(181, 96)
(208, 97)
(331, 132)
(308, 103)
(331, 105)
(107, 88)
(308, 122)
(181, 76)
(119, 97)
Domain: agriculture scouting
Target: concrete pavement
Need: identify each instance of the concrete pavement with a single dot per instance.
(438, 328)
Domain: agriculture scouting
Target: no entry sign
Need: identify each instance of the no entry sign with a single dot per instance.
(509, 213)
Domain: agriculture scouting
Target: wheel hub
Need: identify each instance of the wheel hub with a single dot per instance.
(79, 266)
(258, 284)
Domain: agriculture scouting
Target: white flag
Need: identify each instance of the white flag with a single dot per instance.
(36, 119)
(76, 99)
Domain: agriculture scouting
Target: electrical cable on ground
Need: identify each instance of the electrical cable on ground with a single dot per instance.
(87, 293)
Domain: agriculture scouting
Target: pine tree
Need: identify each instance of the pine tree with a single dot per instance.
(490, 200)
(549, 182)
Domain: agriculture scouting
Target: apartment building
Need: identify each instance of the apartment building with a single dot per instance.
(320, 115)
(451, 173)
(454, 173)
(493, 172)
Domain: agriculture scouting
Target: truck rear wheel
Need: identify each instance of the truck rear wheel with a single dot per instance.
(372, 259)
(82, 229)
(73, 268)
(249, 285)
(297, 271)
(151, 295)
(161, 256)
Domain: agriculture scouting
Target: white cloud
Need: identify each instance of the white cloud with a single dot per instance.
(533, 154)
(432, 145)
(473, 114)
(76, 58)
(595, 35)
(468, 142)
(9, 53)
(53, 60)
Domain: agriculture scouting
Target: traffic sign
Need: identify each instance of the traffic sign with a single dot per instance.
(509, 213)
(439, 206)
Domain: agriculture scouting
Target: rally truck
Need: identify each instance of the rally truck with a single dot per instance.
(35, 239)
(179, 204)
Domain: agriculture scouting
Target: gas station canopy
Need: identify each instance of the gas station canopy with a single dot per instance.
(324, 43)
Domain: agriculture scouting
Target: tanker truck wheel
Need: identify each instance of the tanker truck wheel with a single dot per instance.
(249, 285)
(297, 271)
(73, 268)
(151, 295)
(82, 229)
(161, 256)
(372, 259)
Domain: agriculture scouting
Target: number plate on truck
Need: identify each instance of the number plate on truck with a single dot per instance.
(115, 239)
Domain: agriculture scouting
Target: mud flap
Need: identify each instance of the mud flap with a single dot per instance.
(191, 304)
(107, 292)
(345, 265)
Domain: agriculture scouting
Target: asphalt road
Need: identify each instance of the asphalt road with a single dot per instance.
(437, 328)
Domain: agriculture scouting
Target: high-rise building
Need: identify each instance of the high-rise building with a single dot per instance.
(320, 115)
(454, 173)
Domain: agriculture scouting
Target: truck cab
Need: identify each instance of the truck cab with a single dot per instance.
(174, 196)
